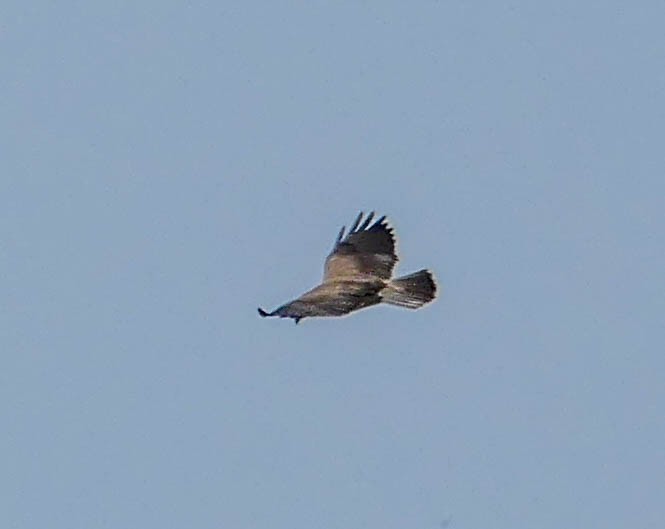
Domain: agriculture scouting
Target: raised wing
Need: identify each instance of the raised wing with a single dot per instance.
(366, 252)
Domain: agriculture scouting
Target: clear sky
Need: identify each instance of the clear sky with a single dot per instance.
(167, 167)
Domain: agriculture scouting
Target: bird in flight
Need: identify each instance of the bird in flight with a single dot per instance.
(358, 274)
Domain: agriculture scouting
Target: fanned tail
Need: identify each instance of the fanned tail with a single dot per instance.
(411, 291)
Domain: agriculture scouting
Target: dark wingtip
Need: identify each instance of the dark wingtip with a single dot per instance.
(340, 236)
(356, 223)
(262, 312)
(366, 222)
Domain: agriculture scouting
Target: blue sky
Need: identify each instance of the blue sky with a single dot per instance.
(169, 167)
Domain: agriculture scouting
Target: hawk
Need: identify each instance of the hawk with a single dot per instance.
(358, 274)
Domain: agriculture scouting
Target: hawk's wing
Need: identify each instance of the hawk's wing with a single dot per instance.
(365, 252)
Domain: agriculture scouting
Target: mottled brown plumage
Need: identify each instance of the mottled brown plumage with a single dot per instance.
(358, 274)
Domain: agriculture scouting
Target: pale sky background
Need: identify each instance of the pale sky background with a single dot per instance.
(167, 167)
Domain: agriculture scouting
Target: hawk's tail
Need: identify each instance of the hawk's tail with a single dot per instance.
(411, 291)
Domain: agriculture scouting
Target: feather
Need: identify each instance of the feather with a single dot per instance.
(358, 274)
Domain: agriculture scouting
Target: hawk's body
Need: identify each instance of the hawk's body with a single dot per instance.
(358, 274)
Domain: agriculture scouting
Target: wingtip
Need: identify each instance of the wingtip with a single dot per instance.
(366, 222)
(262, 312)
(356, 222)
(340, 235)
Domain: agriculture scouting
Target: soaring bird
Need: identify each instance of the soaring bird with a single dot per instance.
(358, 274)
